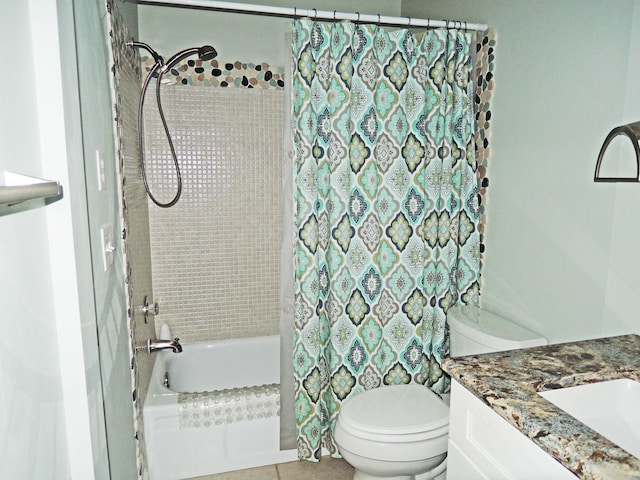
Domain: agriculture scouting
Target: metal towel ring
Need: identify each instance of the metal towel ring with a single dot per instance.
(632, 131)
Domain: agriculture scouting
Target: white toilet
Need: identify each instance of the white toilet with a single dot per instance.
(400, 432)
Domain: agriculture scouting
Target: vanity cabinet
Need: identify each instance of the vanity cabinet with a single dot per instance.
(483, 445)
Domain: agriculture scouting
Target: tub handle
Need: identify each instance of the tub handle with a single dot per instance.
(149, 309)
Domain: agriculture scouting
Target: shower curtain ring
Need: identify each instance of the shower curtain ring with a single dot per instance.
(378, 19)
(358, 20)
(334, 15)
(409, 21)
(315, 13)
(295, 13)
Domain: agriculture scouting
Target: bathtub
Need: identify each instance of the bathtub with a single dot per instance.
(220, 412)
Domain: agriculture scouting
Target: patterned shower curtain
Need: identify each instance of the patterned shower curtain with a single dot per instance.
(385, 208)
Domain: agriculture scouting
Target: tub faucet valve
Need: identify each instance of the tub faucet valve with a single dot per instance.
(149, 309)
(157, 345)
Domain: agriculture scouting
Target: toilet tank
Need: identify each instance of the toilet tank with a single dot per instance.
(475, 330)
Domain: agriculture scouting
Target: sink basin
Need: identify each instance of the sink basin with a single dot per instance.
(611, 408)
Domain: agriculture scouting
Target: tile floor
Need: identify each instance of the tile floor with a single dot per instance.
(327, 469)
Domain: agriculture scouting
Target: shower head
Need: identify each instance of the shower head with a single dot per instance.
(204, 53)
(207, 52)
(156, 57)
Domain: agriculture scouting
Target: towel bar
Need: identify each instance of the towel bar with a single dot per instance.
(18, 188)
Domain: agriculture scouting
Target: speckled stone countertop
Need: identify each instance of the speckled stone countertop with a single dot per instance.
(508, 382)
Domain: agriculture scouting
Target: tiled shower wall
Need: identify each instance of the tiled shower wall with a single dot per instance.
(216, 253)
(134, 216)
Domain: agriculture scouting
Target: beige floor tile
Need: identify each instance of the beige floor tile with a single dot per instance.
(260, 473)
(327, 469)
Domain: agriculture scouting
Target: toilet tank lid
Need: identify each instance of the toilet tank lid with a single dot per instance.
(491, 329)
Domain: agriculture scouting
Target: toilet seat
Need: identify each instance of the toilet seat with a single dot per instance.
(395, 413)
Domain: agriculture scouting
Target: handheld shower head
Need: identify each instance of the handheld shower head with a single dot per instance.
(207, 52)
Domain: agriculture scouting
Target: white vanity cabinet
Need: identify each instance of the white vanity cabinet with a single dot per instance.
(483, 445)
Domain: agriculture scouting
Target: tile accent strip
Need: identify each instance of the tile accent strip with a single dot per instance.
(220, 74)
(485, 85)
(126, 81)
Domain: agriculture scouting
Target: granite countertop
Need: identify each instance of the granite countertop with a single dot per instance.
(508, 382)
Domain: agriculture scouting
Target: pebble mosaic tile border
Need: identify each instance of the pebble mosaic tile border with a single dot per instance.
(485, 85)
(126, 72)
(222, 74)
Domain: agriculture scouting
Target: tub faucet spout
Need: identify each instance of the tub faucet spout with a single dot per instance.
(173, 345)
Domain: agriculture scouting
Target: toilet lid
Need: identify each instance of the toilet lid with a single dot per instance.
(395, 409)
(491, 329)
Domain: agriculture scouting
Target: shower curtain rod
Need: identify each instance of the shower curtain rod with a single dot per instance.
(294, 12)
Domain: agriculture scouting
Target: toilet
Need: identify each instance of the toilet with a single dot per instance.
(400, 432)
(393, 432)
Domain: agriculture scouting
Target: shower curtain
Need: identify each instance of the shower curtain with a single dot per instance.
(385, 211)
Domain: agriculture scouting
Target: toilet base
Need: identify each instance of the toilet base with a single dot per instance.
(424, 476)
(365, 476)
(437, 473)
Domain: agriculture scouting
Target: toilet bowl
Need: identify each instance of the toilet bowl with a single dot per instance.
(400, 432)
(393, 432)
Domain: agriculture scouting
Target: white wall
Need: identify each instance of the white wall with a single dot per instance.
(559, 251)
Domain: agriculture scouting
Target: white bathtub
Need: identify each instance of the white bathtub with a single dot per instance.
(233, 425)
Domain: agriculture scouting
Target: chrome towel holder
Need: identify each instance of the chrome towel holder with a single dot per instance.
(632, 131)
